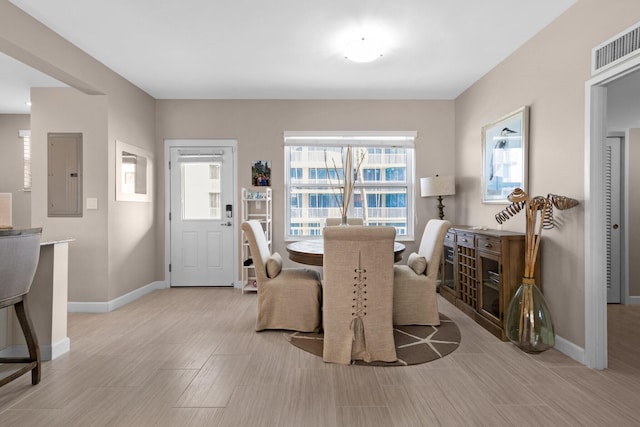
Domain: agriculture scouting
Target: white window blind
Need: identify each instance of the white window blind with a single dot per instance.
(25, 135)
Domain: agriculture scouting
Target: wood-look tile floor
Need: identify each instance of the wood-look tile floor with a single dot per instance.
(190, 357)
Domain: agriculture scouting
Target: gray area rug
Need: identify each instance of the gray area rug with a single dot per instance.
(415, 344)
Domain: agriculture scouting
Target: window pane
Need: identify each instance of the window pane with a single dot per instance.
(395, 174)
(383, 206)
(381, 196)
(296, 175)
(201, 191)
(369, 175)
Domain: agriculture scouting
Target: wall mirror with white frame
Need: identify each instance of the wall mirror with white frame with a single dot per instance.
(134, 173)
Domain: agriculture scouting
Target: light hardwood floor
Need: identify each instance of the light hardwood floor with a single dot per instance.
(190, 357)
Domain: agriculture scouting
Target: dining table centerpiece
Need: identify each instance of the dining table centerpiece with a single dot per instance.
(528, 322)
(345, 175)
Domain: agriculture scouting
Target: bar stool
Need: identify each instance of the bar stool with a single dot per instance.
(19, 254)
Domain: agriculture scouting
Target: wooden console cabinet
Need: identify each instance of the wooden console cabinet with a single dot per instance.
(481, 271)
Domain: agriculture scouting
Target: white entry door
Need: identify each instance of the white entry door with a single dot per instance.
(201, 216)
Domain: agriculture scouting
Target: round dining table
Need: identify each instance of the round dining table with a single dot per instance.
(311, 252)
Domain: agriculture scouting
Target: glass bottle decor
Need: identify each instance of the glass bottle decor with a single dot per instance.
(528, 323)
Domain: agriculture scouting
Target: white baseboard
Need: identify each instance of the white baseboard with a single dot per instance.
(570, 349)
(108, 306)
(60, 348)
(47, 352)
(633, 300)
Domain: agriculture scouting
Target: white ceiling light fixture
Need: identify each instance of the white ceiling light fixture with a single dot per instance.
(364, 49)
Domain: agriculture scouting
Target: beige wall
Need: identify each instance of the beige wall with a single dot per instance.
(258, 127)
(11, 172)
(132, 237)
(68, 110)
(548, 74)
(115, 248)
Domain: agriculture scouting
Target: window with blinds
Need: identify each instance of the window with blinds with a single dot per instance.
(25, 135)
(383, 193)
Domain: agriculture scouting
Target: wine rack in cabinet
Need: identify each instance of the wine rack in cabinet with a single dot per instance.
(481, 271)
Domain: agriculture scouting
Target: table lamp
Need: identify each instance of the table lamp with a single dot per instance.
(438, 186)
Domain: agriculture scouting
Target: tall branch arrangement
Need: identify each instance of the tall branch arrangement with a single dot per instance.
(534, 223)
(350, 172)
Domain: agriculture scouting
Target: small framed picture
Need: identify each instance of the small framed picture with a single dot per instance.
(504, 156)
(261, 173)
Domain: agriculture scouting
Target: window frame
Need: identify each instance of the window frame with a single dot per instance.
(369, 140)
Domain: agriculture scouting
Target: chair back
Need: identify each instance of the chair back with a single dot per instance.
(432, 244)
(337, 221)
(358, 294)
(258, 246)
(19, 254)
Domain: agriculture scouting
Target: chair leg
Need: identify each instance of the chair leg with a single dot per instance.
(29, 332)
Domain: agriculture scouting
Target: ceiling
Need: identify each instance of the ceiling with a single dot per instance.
(286, 49)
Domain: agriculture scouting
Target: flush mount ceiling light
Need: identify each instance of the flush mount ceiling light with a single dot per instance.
(363, 50)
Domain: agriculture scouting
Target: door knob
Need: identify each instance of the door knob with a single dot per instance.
(227, 224)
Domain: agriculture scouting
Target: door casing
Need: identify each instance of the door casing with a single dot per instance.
(594, 354)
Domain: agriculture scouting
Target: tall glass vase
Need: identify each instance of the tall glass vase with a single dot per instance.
(344, 220)
(528, 323)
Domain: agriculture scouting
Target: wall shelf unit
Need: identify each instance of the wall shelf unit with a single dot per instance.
(256, 205)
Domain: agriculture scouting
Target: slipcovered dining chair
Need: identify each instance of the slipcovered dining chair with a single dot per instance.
(288, 298)
(19, 255)
(358, 294)
(337, 221)
(415, 288)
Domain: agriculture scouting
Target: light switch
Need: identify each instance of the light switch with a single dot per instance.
(92, 203)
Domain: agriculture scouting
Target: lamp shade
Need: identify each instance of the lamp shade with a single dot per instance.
(437, 186)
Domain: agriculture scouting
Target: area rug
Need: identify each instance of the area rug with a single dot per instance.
(415, 344)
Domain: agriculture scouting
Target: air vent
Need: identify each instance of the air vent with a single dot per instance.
(615, 50)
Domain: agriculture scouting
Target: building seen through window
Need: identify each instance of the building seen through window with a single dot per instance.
(383, 193)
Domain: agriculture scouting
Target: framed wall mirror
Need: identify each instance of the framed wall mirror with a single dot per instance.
(134, 173)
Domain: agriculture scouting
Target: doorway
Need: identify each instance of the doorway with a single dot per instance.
(595, 351)
(200, 194)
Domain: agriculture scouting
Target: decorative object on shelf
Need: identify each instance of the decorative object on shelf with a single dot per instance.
(349, 171)
(528, 322)
(504, 156)
(438, 186)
